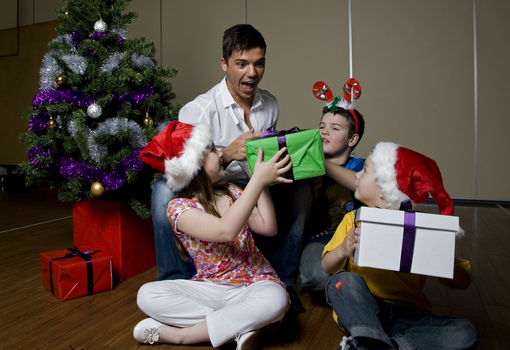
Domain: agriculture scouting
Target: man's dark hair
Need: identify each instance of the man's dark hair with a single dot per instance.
(241, 37)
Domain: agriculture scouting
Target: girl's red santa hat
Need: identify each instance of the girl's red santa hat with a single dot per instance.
(405, 174)
(178, 152)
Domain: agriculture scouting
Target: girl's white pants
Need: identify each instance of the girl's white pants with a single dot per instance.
(229, 310)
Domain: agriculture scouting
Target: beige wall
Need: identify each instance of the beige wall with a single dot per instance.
(414, 60)
(493, 99)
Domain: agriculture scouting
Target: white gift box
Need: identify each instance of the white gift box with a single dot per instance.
(429, 238)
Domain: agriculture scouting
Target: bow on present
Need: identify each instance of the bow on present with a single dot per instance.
(272, 132)
(86, 255)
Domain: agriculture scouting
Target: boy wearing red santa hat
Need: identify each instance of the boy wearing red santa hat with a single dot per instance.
(381, 309)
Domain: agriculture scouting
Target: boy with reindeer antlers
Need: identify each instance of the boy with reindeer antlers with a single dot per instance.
(341, 129)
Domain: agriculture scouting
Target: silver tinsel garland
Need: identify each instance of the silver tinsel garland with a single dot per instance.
(161, 126)
(137, 61)
(50, 69)
(48, 72)
(112, 62)
(141, 61)
(120, 32)
(112, 126)
(76, 63)
(66, 38)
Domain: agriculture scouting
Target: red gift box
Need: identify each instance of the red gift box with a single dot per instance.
(114, 227)
(73, 273)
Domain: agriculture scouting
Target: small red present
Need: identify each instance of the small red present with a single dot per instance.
(73, 273)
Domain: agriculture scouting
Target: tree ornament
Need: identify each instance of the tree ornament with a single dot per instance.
(94, 110)
(148, 121)
(52, 123)
(97, 189)
(100, 26)
(60, 79)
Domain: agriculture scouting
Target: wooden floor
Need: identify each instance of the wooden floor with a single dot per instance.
(34, 221)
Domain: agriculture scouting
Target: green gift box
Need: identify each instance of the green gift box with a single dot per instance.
(304, 148)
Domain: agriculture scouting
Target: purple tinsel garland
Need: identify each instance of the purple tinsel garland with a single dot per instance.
(135, 97)
(77, 39)
(38, 123)
(41, 152)
(59, 96)
(81, 100)
(71, 169)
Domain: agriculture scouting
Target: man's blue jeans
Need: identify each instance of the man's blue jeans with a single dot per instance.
(170, 264)
(365, 317)
(293, 203)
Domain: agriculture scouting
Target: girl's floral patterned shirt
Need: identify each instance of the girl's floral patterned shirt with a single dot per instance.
(237, 261)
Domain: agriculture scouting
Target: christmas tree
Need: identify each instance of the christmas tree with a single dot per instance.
(101, 100)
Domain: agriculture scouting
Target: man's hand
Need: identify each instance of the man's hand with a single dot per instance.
(236, 150)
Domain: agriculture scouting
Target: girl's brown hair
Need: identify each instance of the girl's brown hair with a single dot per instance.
(203, 191)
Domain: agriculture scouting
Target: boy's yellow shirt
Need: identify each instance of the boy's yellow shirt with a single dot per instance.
(390, 286)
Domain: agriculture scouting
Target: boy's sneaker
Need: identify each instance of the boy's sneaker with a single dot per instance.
(348, 343)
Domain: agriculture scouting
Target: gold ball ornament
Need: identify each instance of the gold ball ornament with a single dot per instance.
(52, 124)
(97, 189)
(148, 121)
(60, 79)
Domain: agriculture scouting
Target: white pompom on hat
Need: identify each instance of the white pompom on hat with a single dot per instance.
(178, 152)
(405, 174)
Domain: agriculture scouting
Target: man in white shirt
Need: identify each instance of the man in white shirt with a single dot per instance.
(237, 110)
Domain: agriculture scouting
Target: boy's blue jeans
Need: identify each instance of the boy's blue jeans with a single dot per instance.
(313, 277)
(293, 204)
(364, 316)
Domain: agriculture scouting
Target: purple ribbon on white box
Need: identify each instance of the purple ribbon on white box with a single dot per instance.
(282, 142)
(406, 256)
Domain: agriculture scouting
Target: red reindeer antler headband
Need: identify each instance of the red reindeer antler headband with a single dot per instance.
(352, 91)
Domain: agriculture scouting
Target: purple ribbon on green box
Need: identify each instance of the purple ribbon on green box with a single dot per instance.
(303, 146)
(280, 136)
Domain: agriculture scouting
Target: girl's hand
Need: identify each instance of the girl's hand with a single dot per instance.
(271, 171)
